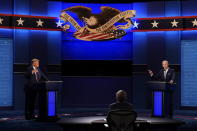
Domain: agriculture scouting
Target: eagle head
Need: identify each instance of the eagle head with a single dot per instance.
(91, 21)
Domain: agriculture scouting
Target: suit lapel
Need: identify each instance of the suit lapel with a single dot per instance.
(162, 75)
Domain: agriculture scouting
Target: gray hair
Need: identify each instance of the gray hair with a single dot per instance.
(165, 61)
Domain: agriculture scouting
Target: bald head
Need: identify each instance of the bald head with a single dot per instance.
(165, 64)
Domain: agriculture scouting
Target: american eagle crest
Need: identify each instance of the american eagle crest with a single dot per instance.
(98, 25)
(95, 20)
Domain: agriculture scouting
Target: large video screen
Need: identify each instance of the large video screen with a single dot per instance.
(75, 48)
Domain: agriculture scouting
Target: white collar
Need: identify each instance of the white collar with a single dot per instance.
(34, 68)
(166, 70)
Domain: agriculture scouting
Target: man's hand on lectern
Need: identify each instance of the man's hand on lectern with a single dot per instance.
(34, 71)
(150, 73)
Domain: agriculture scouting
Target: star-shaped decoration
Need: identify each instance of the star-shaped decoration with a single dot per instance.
(1, 20)
(155, 24)
(20, 21)
(174, 23)
(135, 24)
(59, 24)
(39, 23)
(194, 22)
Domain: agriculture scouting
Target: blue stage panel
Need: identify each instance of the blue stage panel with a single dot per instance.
(189, 73)
(157, 103)
(106, 50)
(6, 72)
(51, 103)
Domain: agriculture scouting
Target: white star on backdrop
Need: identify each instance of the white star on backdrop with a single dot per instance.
(39, 23)
(194, 22)
(1, 20)
(135, 24)
(59, 24)
(155, 24)
(20, 21)
(174, 23)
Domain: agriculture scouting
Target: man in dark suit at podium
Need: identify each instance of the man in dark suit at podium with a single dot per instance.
(34, 76)
(121, 103)
(166, 74)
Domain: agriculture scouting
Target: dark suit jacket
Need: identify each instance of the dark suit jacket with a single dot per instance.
(31, 78)
(169, 76)
(121, 106)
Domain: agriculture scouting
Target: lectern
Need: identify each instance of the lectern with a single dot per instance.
(48, 99)
(162, 98)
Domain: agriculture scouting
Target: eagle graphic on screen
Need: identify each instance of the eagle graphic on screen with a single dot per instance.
(99, 26)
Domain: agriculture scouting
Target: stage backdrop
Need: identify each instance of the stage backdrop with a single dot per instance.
(144, 48)
(94, 70)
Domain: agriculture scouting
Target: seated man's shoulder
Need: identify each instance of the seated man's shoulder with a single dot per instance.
(113, 104)
(124, 105)
(129, 104)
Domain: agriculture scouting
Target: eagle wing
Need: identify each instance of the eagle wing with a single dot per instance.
(81, 11)
(109, 12)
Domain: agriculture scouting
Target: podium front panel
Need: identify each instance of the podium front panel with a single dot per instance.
(157, 103)
(51, 103)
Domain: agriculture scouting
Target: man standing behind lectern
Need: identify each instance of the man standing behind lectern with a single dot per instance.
(34, 76)
(166, 74)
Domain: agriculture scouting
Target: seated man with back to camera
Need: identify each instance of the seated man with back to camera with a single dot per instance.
(121, 115)
(121, 103)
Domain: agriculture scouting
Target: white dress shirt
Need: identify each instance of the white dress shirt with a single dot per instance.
(165, 73)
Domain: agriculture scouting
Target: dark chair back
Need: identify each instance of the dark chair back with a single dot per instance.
(121, 120)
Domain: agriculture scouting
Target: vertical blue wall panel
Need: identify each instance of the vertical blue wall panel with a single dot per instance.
(6, 6)
(188, 58)
(22, 7)
(6, 63)
(38, 8)
(172, 47)
(188, 7)
(189, 73)
(54, 37)
(21, 37)
(21, 46)
(140, 47)
(172, 8)
(155, 9)
(140, 38)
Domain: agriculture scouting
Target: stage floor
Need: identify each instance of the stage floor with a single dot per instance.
(99, 123)
(13, 120)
